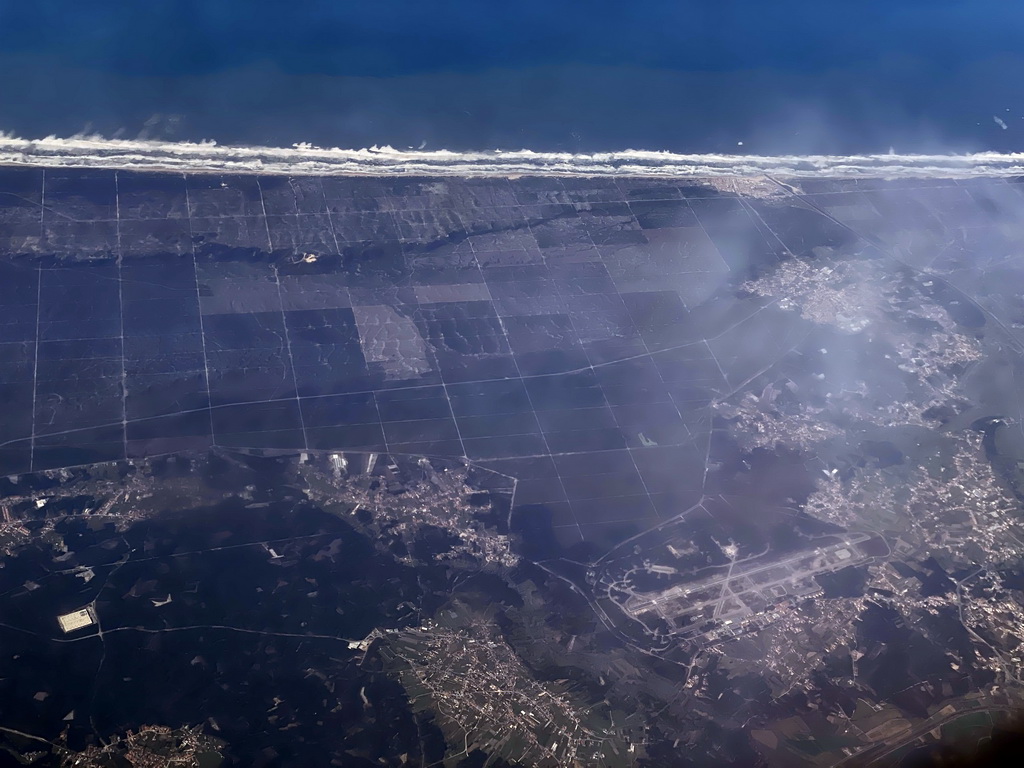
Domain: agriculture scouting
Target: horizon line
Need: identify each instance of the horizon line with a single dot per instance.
(309, 160)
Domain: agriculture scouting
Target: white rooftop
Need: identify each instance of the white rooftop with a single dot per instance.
(83, 617)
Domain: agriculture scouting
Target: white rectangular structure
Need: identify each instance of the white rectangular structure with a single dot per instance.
(83, 617)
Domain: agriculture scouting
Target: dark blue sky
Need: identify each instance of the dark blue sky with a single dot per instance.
(568, 74)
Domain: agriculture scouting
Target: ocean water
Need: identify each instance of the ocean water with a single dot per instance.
(578, 76)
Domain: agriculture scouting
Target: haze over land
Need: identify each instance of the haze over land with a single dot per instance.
(547, 384)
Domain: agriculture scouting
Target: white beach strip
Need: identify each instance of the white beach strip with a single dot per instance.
(302, 159)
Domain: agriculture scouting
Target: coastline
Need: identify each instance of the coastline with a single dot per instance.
(304, 159)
